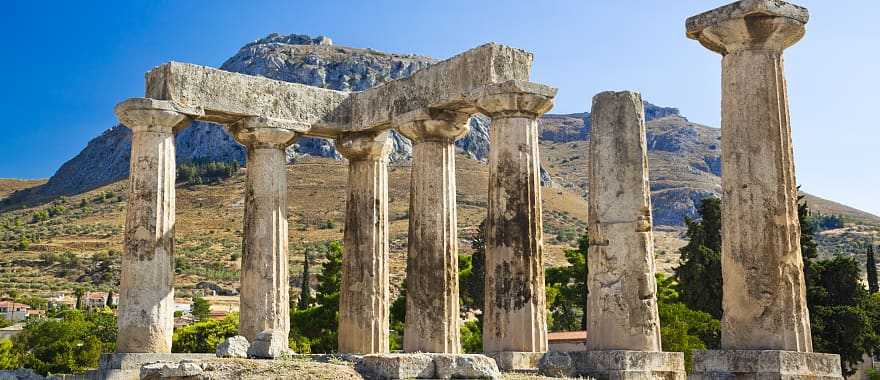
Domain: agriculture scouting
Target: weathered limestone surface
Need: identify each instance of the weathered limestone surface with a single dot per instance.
(764, 301)
(515, 311)
(615, 365)
(432, 322)
(364, 297)
(622, 303)
(765, 364)
(146, 307)
(517, 361)
(264, 273)
(429, 366)
(226, 96)
(443, 85)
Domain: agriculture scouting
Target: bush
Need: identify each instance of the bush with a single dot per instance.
(471, 337)
(204, 336)
(71, 344)
(8, 358)
(40, 216)
(23, 243)
(202, 171)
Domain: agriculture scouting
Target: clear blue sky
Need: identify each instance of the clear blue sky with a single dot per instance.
(65, 65)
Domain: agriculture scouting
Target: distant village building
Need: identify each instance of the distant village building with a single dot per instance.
(11, 331)
(222, 305)
(564, 341)
(94, 300)
(14, 311)
(62, 301)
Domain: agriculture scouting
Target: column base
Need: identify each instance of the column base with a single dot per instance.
(615, 365)
(517, 361)
(765, 365)
(428, 366)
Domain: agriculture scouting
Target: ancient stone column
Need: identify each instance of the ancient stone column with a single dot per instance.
(515, 311)
(764, 297)
(146, 293)
(432, 320)
(364, 298)
(622, 305)
(264, 274)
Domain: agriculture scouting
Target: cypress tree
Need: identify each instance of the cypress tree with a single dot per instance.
(699, 275)
(872, 269)
(305, 295)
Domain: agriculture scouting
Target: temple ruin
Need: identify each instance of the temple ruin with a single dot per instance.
(765, 329)
(432, 108)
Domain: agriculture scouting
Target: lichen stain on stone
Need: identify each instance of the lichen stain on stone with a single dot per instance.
(513, 226)
(512, 291)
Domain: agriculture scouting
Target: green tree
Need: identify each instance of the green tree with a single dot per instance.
(201, 310)
(79, 292)
(305, 294)
(566, 290)
(845, 318)
(472, 272)
(397, 320)
(8, 358)
(314, 329)
(871, 268)
(71, 344)
(699, 275)
(681, 328)
(4, 322)
(472, 337)
(204, 336)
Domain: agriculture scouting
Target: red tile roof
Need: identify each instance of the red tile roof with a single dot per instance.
(567, 336)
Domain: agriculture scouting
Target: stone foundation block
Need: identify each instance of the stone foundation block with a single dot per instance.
(465, 366)
(428, 366)
(269, 345)
(127, 366)
(615, 365)
(233, 347)
(517, 361)
(765, 365)
(398, 366)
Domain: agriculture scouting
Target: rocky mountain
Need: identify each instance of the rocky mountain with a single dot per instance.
(684, 157)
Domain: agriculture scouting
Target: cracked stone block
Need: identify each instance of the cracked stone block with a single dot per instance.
(398, 366)
(268, 345)
(233, 347)
(465, 366)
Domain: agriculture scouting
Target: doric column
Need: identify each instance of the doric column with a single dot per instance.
(264, 273)
(146, 293)
(432, 320)
(764, 297)
(622, 306)
(515, 311)
(364, 298)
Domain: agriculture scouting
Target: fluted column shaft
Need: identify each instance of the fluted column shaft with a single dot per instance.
(264, 272)
(364, 297)
(432, 304)
(764, 294)
(146, 293)
(515, 310)
(622, 306)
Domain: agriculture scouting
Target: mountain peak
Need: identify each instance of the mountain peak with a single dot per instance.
(292, 39)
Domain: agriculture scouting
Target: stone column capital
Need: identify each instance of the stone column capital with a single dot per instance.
(515, 99)
(749, 25)
(358, 146)
(144, 114)
(263, 132)
(433, 125)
